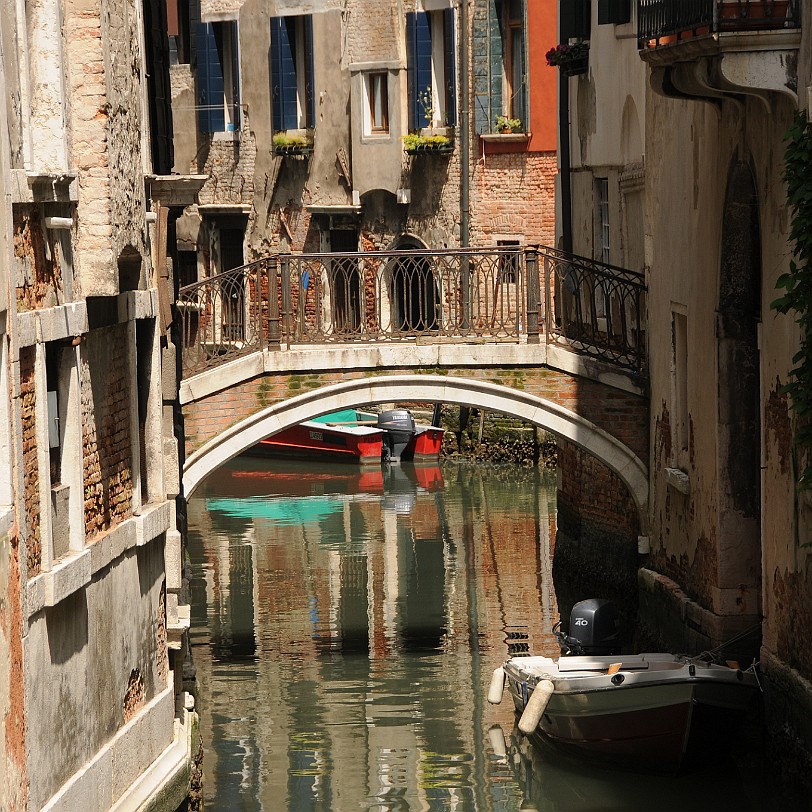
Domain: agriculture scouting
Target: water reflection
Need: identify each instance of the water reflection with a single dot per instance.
(345, 627)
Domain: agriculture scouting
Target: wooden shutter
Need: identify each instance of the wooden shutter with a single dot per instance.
(210, 91)
(283, 74)
(574, 19)
(449, 52)
(418, 43)
(309, 83)
(487, 49)
(614, 12)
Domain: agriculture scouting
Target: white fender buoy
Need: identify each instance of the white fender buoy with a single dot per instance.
(535, 707)
(497, 739)
(497, 686)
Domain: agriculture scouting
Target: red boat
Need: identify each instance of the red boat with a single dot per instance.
(358, 437)
(316, 440)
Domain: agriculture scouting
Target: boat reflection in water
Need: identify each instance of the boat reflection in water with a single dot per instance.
(553, 782)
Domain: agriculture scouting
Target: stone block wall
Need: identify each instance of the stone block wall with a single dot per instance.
(106, 440)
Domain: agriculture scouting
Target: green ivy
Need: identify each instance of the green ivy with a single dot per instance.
(797, 282)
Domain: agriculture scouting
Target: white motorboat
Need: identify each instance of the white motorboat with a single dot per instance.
(644, 711)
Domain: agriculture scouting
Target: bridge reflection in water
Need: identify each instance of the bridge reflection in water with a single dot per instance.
(345, 627)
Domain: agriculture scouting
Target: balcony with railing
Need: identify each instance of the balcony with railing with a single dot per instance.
(710, 49)
(488, 295)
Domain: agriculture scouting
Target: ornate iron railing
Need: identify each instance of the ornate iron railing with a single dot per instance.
(595, 309)
(489, 294)
(658, 19)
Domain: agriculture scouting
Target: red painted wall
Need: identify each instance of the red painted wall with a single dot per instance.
(542, 33)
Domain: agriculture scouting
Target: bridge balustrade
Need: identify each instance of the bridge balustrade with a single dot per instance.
(461, 295)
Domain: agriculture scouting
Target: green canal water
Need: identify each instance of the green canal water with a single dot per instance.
(345, 626)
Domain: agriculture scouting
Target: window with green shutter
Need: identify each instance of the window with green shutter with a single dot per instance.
(500, 63)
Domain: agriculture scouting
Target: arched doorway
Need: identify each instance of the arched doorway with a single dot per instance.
(739, 428)
(415, 291)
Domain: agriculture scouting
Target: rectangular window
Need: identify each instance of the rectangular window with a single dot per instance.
(377, 97)
(509, 262)
(431, 68)
(292, 93)
(218, 76)
(500, 64)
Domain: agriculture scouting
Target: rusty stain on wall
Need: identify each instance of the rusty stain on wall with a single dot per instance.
(791, 591)
(779, 427)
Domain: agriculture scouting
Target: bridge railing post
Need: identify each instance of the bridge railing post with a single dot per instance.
(284, 265)
(531, 262)
(274, 332)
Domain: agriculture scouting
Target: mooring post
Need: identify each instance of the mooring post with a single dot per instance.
(531, 258)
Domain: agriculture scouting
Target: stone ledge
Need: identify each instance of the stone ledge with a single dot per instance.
(678, 480)
(151, 522)
(112, 545)
(52, 323)
(117, 778)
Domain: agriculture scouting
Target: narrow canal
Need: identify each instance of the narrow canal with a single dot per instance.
(345, 625)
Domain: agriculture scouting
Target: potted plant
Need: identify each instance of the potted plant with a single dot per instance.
(573, 59)
(506, 125)
(293, 142)
(416, 143)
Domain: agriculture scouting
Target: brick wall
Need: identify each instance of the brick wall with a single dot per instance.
(623, 415)
(31, 483)
(514, 193)
(106, 437)
(38, 276)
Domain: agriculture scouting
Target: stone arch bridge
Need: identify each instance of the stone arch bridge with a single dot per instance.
(560, 346)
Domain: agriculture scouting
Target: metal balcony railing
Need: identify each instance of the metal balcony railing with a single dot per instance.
(671, 20)
(489, 294)
(595, 309)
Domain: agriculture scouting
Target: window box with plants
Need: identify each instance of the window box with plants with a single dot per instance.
(293, 142)
(572, 59)
(434, 144)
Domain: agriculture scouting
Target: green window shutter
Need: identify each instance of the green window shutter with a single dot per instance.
(487, 68)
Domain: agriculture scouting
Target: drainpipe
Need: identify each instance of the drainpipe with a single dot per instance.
(465, 169)
(564, 159)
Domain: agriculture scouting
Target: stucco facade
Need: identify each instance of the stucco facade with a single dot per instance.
(93, 616)
(696, 133)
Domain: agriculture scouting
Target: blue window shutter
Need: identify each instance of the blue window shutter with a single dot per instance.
(410, 79)
(283, 74)
(310, 86)
(210, 93)
(422, 64)
(449, 51)
(418, 47)
(233, 29)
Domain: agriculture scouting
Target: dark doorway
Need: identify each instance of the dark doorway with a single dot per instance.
(415, 297)
(233, 310)
(345, 282)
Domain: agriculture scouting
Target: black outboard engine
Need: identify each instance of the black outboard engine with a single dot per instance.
(593, 629)
(398, 425)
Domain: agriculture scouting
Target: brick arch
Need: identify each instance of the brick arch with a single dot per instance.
(548, 415)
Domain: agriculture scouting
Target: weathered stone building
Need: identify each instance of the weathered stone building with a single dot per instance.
(297, 113)
(93, 610)
(676, 154)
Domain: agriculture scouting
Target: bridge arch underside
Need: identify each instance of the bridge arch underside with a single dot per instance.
(560, 421)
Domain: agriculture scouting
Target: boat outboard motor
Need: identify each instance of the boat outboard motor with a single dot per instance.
(593, 629)
(398, 425)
